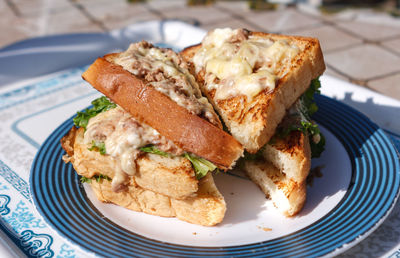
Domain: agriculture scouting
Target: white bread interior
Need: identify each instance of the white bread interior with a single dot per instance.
(291, 155)
(287, 195)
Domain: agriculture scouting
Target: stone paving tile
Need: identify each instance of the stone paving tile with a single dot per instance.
(118, 14)
(331, 72)
(20, 29)
(162, 5)
(5, 14)
(389, 86)
(393, 45)
(3, 5)
(93, 2)
(345, 59)
(119, 22)
(366, 15)
(232, 23)
(280, 21)
(70, 21)
(369, 31)
(34, 8)
(364, 62)
(236, 7)
(202, 14)
(329, 37)
(10, 34)
(107, 9)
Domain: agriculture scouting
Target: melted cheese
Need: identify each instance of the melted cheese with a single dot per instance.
(123, 137)
(241, 67)
(226, 68)
(218, 37)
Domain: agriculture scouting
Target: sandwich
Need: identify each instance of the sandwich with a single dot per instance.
(151, 142)
(262, 87)
(281, 167)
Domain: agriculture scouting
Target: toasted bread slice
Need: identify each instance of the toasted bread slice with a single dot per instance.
(162, 186)
(207, 207)
(287, 195)
(282, 170)
(148, 105)
(172, 177)
(134, 198)
(291, 155)
(253, 121)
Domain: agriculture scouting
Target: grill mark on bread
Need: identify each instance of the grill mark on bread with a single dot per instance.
(186, 169)
(289, 143)
(274, 184)
(306, 66)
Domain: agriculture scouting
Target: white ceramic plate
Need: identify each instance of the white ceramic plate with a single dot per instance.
(358, 188)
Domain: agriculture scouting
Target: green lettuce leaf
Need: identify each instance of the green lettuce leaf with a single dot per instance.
(98, 146)
(152, 149)
(306, 125)
(99, 105)
(317, 148)
(98, 178)
(254, 156)
(201, 166)
(307, 98)
(84, 179)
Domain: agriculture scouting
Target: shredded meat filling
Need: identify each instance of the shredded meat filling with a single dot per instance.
(123, 137)
(167, 72)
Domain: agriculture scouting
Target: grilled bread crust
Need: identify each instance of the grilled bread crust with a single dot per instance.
(254, 123)
(282, 174)
(287, 195)
(291, 155)
(189, 132)
(162, 186)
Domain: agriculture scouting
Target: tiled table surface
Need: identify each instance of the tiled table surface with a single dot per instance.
(361, 46)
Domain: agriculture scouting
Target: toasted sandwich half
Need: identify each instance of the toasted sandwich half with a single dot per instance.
(281, 167)
(151, 144)
(253, 80)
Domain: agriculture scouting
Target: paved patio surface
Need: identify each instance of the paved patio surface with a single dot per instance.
(361, 46)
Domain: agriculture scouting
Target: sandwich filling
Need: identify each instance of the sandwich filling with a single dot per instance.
(298, 118)
(237, 63)
(168, 73)
(122, 137)
(111, 130)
